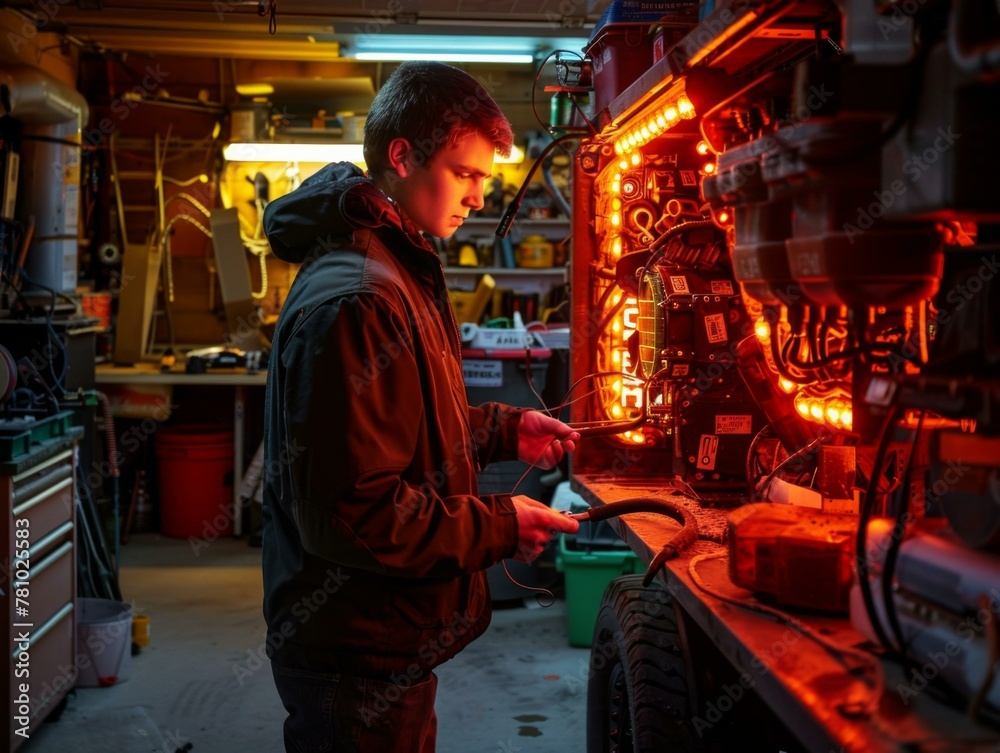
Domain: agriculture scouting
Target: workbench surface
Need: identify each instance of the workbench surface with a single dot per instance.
(807, 685)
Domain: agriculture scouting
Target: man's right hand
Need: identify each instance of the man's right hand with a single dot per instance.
(537, 524)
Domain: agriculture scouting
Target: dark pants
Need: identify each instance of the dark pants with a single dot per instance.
(340, 713)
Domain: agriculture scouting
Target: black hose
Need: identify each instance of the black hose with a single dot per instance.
(680, 540)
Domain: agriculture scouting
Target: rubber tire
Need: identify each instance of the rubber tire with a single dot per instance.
(637, 671)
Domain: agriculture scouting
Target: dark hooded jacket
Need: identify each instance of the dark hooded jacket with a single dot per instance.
(375, 538)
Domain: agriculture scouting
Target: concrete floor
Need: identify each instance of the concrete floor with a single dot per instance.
(202, 682)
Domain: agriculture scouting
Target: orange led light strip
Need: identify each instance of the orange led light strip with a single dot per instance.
(658, 121)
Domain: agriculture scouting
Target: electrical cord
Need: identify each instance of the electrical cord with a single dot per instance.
(606, 428)
(864, 658)
(57, 380)
(503, 227)
(541, 593)
(866, 511)
(895, 542)
(762, 489)
(679, 541)
(779, 354)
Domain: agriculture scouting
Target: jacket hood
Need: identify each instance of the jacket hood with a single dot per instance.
(329, 205)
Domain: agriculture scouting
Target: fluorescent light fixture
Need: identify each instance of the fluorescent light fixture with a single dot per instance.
(276, 151)
(520, 50)
(447, 57)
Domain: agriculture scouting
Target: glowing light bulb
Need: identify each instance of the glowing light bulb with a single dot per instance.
(816, 410)
(847, 418)
(686, 108)
(833, 413)
(616, 204)
(644, 133)
(616, 245)
(618, 148)
(671, 114)
(787, 385)
(651, 125)
(636, 159)
(638, 438)
(802, 405)
(616, 219)
(661, 121)
(723, 217)
(708, 168)
(616, 411)
(623, 164)
(702, 148)
(616, 186)
(762, 330)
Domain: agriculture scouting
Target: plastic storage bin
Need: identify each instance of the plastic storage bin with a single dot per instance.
(501, 375)
(619, 53)
(588, 572)
(648, 10)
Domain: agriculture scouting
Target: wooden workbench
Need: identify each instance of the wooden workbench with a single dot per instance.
(804, 684)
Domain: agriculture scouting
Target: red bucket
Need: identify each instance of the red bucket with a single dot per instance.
(195, 465)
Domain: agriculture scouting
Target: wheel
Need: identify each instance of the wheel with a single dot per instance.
(637, 696)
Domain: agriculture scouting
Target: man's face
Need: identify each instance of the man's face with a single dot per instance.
(438, 195)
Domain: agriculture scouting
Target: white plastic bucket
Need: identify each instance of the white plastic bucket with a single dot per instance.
(103, 642)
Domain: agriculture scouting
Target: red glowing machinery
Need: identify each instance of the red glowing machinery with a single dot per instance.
(784, 265)
(758, 256)
(784, 291)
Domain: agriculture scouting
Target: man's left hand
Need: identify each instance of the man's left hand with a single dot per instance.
(543, 440)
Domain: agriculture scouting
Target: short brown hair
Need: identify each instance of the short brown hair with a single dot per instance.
(431, 104)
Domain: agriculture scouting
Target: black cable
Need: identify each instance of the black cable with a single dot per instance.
(759, 494)
(895, 542)
(751, 456)
(585, 377)
(867, 507)
(779, 353)
(680, 540)
(607, 428)
(503, 227)
(58, 381)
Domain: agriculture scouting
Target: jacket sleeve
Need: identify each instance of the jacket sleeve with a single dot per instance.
(494, 427)
(354, 404)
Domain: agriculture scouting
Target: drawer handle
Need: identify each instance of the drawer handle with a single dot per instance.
(50, 623)
(51, 559)
(50, 537)
(28, 504)
(42, 465)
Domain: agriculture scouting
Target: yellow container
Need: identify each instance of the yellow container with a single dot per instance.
(535, 251)
(140, 630)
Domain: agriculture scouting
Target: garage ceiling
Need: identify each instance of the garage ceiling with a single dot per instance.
(306, 29)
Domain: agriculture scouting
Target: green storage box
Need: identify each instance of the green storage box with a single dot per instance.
(587, 573)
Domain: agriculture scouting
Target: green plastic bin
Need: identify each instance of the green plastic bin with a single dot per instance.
(587, 573)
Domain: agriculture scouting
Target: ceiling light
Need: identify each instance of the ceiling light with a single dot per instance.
(389, 56)
(276, 151)
(255, 90)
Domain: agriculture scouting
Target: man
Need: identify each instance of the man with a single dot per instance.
(375, 537)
